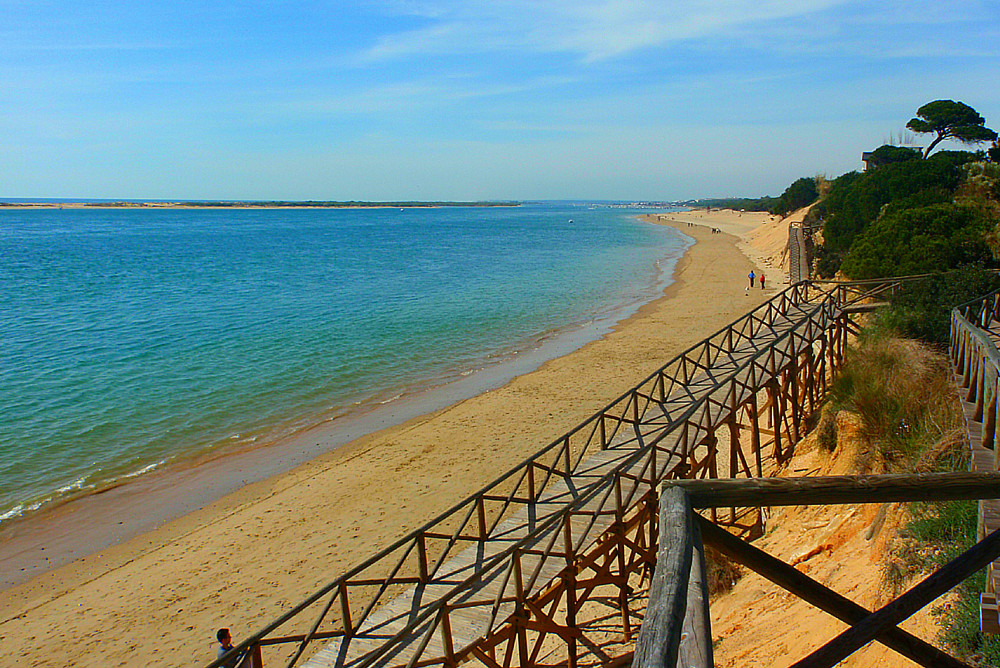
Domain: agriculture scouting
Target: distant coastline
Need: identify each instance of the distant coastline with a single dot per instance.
(239, 204)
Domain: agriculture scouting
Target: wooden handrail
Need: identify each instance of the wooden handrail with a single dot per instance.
(823, 490)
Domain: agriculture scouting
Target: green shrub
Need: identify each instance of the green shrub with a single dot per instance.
(922, 310)
(802, 192)
(887, 154)
(827, 261)
(920, 240)
(856, 200)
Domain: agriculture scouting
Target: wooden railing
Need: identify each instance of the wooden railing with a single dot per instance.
(583, 510)
(974, 355)
(975, 330)
(677, 621)
(667, 630)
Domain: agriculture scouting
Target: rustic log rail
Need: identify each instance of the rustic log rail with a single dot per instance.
(661, 639)
(500, 571)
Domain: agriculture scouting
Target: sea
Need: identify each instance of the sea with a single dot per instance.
(137, 339)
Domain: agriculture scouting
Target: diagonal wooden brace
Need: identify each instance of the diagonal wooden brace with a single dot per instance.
(820, 596)
(918, 596)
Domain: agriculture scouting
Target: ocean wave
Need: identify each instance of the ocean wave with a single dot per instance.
(145, 469)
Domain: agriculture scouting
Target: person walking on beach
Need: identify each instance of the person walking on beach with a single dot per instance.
(751, 276)
(762, 280)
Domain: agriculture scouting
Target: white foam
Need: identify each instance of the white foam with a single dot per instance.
(19, 510)
(145, 469)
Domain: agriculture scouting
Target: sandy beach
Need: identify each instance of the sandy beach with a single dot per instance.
(156, 599)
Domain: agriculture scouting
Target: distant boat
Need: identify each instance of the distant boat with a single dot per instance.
(571, 220)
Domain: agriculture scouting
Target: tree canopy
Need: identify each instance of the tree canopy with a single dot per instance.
(802, 192)
(950, 120)
(994, 151)
(856, 200)
(885, 155)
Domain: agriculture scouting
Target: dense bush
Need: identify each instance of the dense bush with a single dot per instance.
(856, 200)
(920, 240)
(887, 154)
(802, 192)
(827, 261)
(923, 309)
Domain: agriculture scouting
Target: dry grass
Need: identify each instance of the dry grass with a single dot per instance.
(901, 390)
(722, 572)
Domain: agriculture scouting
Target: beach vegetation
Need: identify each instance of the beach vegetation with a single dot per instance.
(935, 214)
(908, 215)
(901, 391)
(911, 422)
(919, 240)
(888, 154)
(802, 192)
(883, 222)
(947, 119)
(922, 309)
(856, 199)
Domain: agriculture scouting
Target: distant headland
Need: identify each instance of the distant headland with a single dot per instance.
(239, 204)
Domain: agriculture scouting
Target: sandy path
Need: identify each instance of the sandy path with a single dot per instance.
(157, 599)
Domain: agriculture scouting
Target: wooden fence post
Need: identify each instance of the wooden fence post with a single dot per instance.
(660, 636)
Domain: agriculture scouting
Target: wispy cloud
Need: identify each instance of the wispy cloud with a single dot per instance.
(410, 95)
(591, 30)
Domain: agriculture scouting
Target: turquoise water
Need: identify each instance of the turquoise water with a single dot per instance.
(133, 338)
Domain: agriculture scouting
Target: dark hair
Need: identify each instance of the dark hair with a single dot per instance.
(222, 634)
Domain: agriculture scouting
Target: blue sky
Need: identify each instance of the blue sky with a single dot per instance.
(452, 99)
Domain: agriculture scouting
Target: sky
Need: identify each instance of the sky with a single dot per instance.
(465, 100)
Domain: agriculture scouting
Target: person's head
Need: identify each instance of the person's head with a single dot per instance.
(224, 636)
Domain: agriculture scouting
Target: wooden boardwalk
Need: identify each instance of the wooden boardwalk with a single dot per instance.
(511, 565)
(394, 632)
(798, 259)
(470, 624)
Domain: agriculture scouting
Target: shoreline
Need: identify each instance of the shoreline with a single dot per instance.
(242, 559)
(61, 530)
